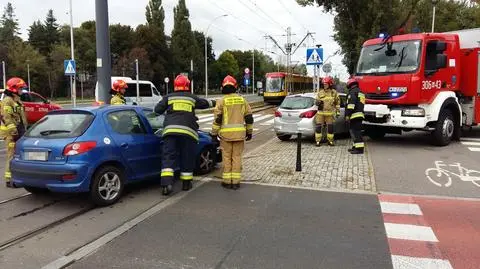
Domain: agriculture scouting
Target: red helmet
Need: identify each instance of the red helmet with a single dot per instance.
(351, 82)
(181, 83)
(328, 81)
(118, 85)
(229, 81)
(15, 84)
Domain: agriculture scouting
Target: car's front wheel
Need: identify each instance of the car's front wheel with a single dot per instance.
(107, 186)
(206, 161)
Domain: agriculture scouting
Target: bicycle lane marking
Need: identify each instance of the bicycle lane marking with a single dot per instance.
(444, 172)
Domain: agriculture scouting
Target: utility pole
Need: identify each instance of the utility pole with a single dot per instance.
(104, 70)
(4, 75)
(28, 75)
(191, 69)
(72, 48)
(253, 73)
(138, 81)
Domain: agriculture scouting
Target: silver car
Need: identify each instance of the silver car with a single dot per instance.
(297, 113)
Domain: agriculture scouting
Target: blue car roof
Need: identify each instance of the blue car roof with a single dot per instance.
(94, 109)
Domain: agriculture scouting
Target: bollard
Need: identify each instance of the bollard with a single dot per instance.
(299, 152)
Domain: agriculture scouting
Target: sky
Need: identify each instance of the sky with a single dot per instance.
(245, 26)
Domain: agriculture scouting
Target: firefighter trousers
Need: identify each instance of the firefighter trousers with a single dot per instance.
(356, 134)
(321, 122)
(10, 144)
(177, 148)
(232, 161)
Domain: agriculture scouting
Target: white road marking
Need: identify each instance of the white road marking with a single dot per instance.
(474, 149)
(204, 116)
(206, 119)
(105, 239)
(263, 117)
(470, 139)
(470, 143)
(410, 232)
(266, 123)
(400, 208)
(403, 262)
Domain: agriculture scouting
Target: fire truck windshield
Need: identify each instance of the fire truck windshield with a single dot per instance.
(400, 57)
(274, 84)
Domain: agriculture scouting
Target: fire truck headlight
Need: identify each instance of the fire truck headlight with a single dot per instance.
(413, 112)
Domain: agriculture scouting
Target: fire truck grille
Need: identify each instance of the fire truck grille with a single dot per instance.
(383, 96)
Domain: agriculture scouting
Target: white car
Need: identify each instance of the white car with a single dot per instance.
(297, 112)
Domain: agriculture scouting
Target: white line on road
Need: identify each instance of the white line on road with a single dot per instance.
(263, 117)
(474, 149)
(410, 232)
(269, 122)
(402, 262)
(105, 239)
(204, 116)
(470, 139)
(400, 208)
(206, 119)
(470, 143)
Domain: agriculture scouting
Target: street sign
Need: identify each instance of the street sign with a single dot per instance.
(327, 68)
(247, 71)
(166, 80)
(315, 56)
(69, 67)
(259, 85)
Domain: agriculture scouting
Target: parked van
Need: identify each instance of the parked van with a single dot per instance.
(149, 95)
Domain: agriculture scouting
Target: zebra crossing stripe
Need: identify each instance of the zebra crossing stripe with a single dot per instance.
(473, 139)
(467, 143)
(474, 149)
(266, 123)
(263, 117)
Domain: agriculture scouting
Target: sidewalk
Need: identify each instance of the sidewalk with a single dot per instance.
(325, 167)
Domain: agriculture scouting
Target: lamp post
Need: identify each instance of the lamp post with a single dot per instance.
(72, 46)
(206, 52)
(28, 75)
(434, 2)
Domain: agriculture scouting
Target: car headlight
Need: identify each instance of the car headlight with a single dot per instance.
(413, 112)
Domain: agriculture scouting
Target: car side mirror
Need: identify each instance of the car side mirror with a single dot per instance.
(441, 61)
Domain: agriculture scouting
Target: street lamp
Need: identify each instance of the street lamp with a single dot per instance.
(206, 52)
(28, 75)
(72, 78)
(434, 2)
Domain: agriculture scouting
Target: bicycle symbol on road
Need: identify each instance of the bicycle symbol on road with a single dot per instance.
(439, 174)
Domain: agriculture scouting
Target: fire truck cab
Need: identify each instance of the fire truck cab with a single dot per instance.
(421, 81)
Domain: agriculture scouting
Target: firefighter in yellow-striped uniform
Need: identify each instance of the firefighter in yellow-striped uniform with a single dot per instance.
(180, 133)
(328, 103)
(118, 91)
(354, 114)
(233, 123)
(14, 121)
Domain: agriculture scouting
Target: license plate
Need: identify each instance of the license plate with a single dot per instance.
(36, 156)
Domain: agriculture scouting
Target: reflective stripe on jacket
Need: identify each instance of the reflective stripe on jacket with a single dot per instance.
(232, 118)
(118, 99)
(355, 104)
(13, 117)
(330, 100)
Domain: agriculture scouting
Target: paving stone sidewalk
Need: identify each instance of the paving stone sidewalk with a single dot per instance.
(324, 167)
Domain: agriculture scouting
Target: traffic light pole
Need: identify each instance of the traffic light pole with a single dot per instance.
(103, 51)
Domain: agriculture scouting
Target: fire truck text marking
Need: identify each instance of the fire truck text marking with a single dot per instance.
(428, 85)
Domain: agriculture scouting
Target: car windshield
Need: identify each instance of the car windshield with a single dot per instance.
(61, 125)
(297, 103)
(155, 120)
(274, 85)
(402, 57)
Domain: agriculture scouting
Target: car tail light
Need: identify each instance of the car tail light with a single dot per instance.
(309, 114)
(278, 114)
(69, 177)
(78, 148)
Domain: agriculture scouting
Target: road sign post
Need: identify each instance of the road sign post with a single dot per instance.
(166, 79)
(70, 70)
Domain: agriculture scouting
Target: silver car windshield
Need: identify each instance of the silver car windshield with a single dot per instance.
(297, 103)
(274, 85)
(402, 57)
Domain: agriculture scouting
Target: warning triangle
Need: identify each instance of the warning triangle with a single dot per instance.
(314, 57)
(70, 69)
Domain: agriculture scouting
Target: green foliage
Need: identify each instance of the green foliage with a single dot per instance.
(184, 46)
(8, 25)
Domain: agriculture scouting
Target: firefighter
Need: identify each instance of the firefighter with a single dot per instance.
(118, 92)
(14, 121)
(180, 133)
(354, 115)
(328, 103)
(233, 123)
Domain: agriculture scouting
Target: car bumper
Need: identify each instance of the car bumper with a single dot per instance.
(381, 115)
(56, 178)
(306, 127)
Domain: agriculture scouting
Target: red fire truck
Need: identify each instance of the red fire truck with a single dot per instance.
(421, 81)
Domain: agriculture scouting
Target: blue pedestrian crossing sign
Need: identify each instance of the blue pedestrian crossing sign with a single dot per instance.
(246, 81)
(69, 67)
(315, 56)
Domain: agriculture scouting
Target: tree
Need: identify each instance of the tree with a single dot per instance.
(36, 36)
(52, 34)
(199, 64)
(56, 78)
(126, 65)
(225, 65)
(8, 25)
(184, 47)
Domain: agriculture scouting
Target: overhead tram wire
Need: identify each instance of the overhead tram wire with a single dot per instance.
(266, 14)
(254, 11)
(291, 15)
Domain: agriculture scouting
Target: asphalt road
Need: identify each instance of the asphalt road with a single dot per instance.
(256, 227)
(401, 162)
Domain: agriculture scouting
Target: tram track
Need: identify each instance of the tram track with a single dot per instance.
(14, 198)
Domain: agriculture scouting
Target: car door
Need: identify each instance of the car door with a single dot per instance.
(40, 104)
(139, 146)
(31, 110)
(340, 124)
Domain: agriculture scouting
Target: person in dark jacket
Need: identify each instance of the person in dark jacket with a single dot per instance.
(180, 133)
(354, 114)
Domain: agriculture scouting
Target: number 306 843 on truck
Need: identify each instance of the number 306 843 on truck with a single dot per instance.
(421, 81)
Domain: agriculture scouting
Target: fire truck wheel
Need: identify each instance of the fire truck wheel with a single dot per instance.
(444, 129)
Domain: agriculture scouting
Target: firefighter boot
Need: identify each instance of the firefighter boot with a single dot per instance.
(351, 149)
(186, 185)
(166, 190)
(226, 185)
(357, 151)
(236, 186)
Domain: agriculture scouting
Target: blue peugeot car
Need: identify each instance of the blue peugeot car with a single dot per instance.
(97, 150)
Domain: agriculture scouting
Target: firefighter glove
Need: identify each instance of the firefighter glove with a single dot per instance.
(214, 137)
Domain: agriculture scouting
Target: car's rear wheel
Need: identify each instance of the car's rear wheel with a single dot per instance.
(206, 161)
(107, 186)
(284, 137)
(35, 190)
